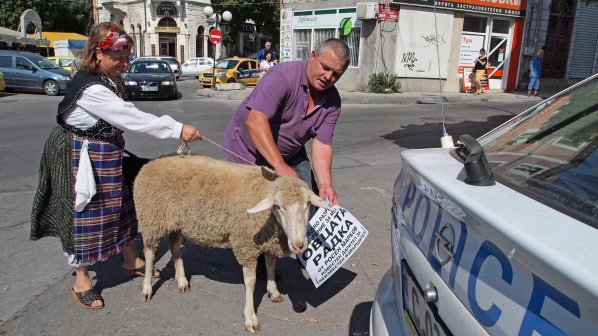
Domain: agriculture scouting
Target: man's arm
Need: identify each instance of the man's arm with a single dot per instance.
(322, 163)
(261, 135)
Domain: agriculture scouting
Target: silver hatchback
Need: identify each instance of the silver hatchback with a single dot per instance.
(29, 71)
(499, 236)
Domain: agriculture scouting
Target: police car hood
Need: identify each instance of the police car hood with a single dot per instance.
(516, 264)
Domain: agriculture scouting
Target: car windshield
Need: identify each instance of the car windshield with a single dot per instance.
(227, 64)
(150, 67)
(42, 62)
(549, 152)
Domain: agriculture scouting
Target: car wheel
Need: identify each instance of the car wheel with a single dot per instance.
(230, 80)
(51, 88)
(175, 95)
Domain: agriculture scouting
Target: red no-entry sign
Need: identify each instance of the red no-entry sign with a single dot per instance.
(215, 36)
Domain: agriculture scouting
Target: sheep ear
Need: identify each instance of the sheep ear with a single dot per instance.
(268, 173)
(265, 204)
(317, 201)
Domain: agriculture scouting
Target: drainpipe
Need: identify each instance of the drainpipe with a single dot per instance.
(145, 24)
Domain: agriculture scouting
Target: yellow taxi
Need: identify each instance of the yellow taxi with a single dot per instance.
(232, 70)
(62, 61)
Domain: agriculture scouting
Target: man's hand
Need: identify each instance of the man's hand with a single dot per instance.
(327, 192)
(190, 133)
(286, 170)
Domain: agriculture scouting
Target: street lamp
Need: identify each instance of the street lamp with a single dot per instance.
(226, 16)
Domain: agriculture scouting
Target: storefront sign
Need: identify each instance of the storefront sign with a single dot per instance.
(332, 236)
(468, 76)
(514, 8)
(470, 48)
(167, 29)
(286, 35)
(386, 13)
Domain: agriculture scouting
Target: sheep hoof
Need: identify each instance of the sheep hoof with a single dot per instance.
(276, 299)
(184, 289)
(253, 329)
(146, 296)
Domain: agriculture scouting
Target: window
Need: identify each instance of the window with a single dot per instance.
(321, 35)
(23, 64)
(302, 44)
(500, 26)
(352, 40)
(5, 61)
(474, 24)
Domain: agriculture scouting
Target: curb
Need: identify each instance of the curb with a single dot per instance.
(393, 99)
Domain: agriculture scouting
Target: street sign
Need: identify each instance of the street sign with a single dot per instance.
(215, 36)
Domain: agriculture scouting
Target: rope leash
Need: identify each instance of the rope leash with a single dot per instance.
(185, 151)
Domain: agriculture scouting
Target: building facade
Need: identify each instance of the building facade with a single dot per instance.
(431, 45)
(167, 28)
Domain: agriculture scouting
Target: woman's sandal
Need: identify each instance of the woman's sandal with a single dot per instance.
(140, 272)
(86, 298)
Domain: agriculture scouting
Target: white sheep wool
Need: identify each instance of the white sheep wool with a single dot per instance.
(333, 236)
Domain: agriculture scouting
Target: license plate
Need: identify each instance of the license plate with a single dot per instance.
(149, 88)
(206, 80)
(423, 317)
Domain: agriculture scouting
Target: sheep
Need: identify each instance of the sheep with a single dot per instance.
(221, 204)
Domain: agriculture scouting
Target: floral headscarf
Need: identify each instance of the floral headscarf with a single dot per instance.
(113, 41)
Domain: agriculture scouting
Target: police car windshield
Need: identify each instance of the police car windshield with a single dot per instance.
(549, 153)
(227, 64)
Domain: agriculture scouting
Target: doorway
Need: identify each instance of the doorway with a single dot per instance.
(167, 44)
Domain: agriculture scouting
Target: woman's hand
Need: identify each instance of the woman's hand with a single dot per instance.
(190, 133)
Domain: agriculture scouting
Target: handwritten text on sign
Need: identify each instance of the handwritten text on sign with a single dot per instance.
(332, 238)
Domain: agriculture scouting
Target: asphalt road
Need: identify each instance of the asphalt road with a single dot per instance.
(35, 280)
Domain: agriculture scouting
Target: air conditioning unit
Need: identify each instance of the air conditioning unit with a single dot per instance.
(367, 10)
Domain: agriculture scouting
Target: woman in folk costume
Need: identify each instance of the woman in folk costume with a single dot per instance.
(82, 197)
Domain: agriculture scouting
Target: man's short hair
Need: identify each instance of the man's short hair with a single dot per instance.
(338, 46)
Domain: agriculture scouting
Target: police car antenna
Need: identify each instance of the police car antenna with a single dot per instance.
(446, 141)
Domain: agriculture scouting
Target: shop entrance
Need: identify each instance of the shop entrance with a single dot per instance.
(494, 35)
(167, 44)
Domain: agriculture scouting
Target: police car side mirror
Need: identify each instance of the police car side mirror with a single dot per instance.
(477, 170)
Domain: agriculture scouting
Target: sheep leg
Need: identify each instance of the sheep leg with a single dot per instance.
(150, 255)
(176, 239)
(251, 322)
(271, 282)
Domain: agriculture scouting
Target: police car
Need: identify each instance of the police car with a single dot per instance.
(499, 236)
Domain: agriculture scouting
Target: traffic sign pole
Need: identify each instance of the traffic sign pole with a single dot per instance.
(215, 37)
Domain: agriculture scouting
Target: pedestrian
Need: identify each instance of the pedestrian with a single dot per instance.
(76, 64)
(480, 70)
(82, 196)
(535, 71)
(262, 53)
(266, 63)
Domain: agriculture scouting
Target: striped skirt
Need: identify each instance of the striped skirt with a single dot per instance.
(108, 223)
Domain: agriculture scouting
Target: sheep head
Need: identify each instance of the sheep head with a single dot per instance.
(290, 201)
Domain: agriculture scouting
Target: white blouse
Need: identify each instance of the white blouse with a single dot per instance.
(99, 102)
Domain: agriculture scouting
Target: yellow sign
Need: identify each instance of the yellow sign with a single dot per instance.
(167, 30)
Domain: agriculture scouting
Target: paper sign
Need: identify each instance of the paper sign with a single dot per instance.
(333, 236)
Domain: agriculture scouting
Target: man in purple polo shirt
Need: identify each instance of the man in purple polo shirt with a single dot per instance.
(293, 103)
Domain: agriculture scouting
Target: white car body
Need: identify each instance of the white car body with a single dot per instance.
(498, 260)
(193, 67)
(172, 61)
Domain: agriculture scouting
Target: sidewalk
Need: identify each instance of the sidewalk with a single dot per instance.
(350, 97)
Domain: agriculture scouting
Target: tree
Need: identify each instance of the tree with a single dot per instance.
(265, 14)
(56, 15)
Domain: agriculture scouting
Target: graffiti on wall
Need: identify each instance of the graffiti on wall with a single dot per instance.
(434, 39)
(409, 60)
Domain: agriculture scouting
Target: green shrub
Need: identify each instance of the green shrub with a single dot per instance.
(384, 83)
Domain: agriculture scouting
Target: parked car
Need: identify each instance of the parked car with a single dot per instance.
(232, 70)
(193, 67)
(172, 61)
(29, 71)
(2, 82)
(498, 236)
(150, 78)
(63, 61)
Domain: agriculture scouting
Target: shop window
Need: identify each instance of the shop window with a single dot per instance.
(302, 43)
(352, 40)
(500, 26)
(321, 35)
(474, 24)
